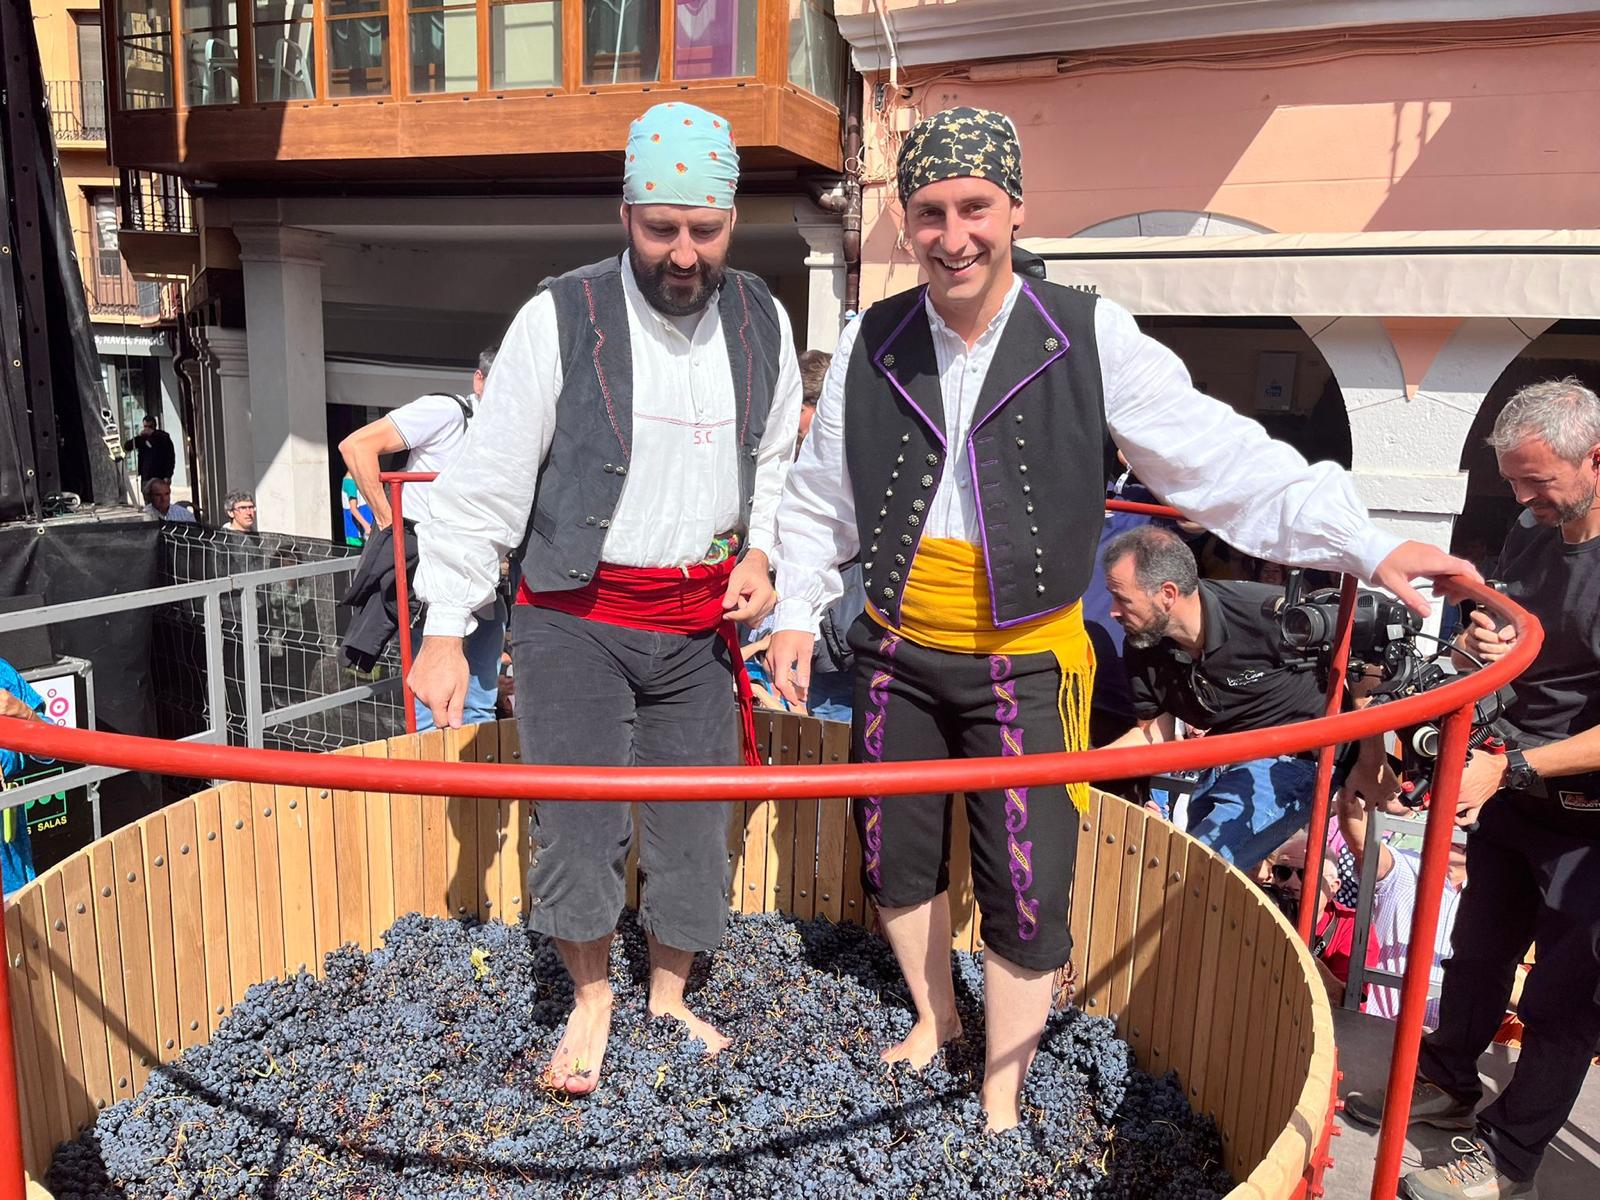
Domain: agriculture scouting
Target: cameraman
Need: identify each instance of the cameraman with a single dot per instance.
(1533, 861)
(1205, 652)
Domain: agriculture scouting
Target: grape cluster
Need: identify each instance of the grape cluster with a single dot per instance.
(413, 1071)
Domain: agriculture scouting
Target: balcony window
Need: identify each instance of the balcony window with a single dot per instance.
(286, 66)
(358, 48)
(144, 47)
(107, 254)
(210, 52)
(444, 46)
(816, 51)
(713, 39)
(621, 41)
(525, 43)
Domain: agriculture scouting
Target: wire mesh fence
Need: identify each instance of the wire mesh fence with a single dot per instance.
(280, 643)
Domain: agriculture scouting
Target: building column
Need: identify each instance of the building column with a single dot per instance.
(223, 446)
(825, 266)
(288, 377)
(1412, 388)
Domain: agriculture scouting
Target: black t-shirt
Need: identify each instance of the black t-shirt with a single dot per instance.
(1245, 679)
(1559, 695)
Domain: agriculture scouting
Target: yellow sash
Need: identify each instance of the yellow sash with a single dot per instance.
(946, 607)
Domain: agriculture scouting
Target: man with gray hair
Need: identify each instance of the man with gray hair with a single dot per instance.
(241, 509)
(1204, 652)
(1533, 857)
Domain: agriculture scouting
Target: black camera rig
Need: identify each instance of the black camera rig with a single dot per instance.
(1383, 640)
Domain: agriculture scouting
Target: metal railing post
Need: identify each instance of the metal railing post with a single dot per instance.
(216, 684)
(1317, 832)
(250, 638)
(1436, 840)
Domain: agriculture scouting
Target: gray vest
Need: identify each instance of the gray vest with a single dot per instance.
(581, 479)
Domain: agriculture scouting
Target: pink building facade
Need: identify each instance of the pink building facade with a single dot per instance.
(1366, 233)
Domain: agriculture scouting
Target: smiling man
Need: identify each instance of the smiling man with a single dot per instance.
(629, 449)
(958, 448)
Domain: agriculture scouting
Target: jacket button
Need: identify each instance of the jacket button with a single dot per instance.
(605, 523)
(754, 450)
(894, 576)
(888, 593)
(589, 520)
(927, 481)
(906, 539)
(1033, 529)
(1026, 488)
(894, 474)
(904, 438)
(873, 549)
(1038, 552)
(583, 577)
(1040, 589)
(900, 560)
(1021, 443)
(622, 470)
(876, 530)
(1019, 418)
(917, 506)
(572, 574)
(866, 566)
(1023, 468)
(1038, 570)
(883, 512)
(1030, 507)
(899, 459)
(933, 460)
(913, 519)
(888, 493)
(609, 469)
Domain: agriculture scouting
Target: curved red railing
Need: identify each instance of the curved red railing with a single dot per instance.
(1453, 702)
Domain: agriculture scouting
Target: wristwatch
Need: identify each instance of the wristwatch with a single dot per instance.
(1520, 777)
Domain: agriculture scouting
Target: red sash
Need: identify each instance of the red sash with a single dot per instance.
(663, 600)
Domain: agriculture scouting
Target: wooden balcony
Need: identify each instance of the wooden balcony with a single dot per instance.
(461, 91)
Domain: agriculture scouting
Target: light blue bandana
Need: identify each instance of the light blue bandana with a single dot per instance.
(679, 153)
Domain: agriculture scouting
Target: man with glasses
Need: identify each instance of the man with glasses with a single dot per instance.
(1202, 651)
(241, 510)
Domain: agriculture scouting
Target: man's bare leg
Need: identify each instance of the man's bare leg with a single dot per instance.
(1016, 1004)
(669, 973)
(575, 1066)
(920, 937)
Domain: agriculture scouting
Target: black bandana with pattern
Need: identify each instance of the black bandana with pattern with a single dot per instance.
(961, 143)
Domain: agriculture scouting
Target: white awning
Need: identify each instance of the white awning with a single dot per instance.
(1449, 273)
(371, 384)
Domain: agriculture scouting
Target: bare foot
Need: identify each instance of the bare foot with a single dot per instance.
(698, 1027)
(1001, 1112)
(575, 1066)
(923, 1042)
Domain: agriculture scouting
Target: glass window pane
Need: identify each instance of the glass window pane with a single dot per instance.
(107, 254)
(140, 17)
(621, 41)
(816, 51)
(209, 14)
(358, 56)
(147, 72)
(285, 61)
(211, 67)
(525, 44)
(444, 50)
(714, 39)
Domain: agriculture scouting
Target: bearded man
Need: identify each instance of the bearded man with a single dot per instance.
(629, 449)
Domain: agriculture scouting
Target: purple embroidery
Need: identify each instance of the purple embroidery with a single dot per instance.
(1019, 853)
(600, 371)
(872, 744)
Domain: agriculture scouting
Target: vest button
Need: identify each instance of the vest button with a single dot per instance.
(1019, 418)
(1038, 551)
(904, 438)
(572, 574)
(1040, 589)
(1033, 529)
(913, 519)
(609, 469)
(883, 512)
(589, 520)
(1021, 442)
(894, 474)
(933, 460)
(866, 566)
(899, 459)
(1030, 506)
(604, 523)
(900, 560)
(874, 548)
(1023, 468)
(1038, 570)
(906, 539)
(888, 493)
(583, 577)
(927, 481)
(1026, 488)
(622, 470)
(918, 506)
(888, 593)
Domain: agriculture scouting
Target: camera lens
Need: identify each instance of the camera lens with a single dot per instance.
(1425, 741)
(1304, 626)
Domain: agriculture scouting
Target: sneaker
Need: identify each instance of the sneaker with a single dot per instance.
(1430, 1105)
(1472, 1176)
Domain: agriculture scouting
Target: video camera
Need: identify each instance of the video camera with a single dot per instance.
(1383, 636)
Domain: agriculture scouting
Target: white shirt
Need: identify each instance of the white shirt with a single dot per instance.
(433, 428)
(682, 486)
(1214, 465)
(1393, 901)
(175, 512)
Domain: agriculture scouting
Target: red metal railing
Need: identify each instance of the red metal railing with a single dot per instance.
(1453, 702)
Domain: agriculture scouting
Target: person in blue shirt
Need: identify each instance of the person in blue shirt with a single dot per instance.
(17, 699)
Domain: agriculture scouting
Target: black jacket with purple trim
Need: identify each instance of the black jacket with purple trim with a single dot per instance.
(1033, 453)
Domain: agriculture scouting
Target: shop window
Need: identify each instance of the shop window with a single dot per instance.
(144, 51)
(816, 51)
(210, 52)
(358, 48)
(621, 41)
(713, 39)
(525, 43)
(285, 47)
